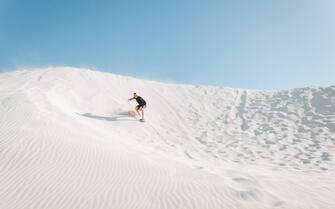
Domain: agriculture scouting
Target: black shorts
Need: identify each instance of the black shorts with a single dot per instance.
(140, 106)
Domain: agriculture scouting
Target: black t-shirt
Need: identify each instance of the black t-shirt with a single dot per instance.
(140, 101)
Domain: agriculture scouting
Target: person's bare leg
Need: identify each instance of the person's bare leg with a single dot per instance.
(142, 113)
(138, 112)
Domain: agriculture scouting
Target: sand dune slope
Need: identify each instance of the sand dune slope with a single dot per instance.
(67, 141)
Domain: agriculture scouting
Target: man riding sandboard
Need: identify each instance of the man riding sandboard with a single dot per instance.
(141, 104)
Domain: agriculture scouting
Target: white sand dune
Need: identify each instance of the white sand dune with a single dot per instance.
(67, 141)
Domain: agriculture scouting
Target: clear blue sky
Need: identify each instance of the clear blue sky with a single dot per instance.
(259, 44)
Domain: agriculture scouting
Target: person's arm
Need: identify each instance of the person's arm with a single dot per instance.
(131, 98)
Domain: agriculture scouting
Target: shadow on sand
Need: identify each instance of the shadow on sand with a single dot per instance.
(123, 116)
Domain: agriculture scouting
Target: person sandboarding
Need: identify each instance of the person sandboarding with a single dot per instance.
(141, 105)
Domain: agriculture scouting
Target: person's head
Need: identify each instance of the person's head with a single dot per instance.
(135, 95)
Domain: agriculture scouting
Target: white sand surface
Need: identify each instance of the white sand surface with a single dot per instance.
(67, 141)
